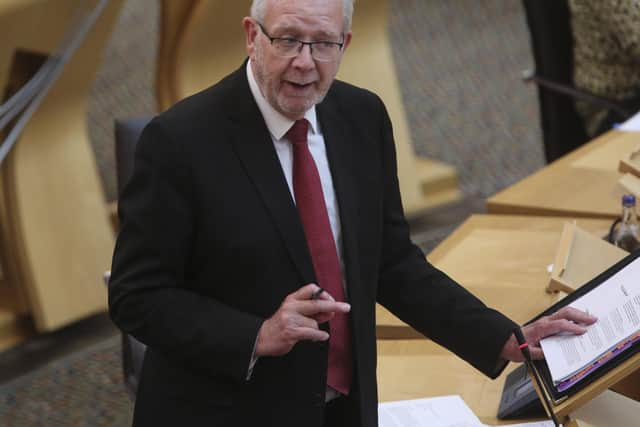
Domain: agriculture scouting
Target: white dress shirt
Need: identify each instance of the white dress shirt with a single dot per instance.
(278, 126)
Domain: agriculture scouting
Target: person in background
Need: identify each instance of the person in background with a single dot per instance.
(606, 37)
(260, 227)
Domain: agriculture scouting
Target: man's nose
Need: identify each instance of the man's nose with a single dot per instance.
(304, 59)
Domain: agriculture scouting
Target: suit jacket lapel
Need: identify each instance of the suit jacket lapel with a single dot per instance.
(253, 145)
(342, 159)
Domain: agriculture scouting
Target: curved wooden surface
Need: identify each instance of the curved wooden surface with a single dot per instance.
(7, 6)
(502, 259)
(202, 41)
(584, 183)
(174, 21)
(56, 236)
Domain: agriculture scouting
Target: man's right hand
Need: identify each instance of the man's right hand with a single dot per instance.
(297, 319)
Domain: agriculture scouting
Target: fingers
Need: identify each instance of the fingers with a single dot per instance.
(313, 307)
(308, 291)
(297, 319)
(298, 328)
(565, 320)
(564, 325)
(321, 307)
(280, 333)
(323, 317)
(574, 315)
(311, 334)
(324, 295)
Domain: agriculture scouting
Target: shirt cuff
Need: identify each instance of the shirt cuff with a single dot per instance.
(254, 358)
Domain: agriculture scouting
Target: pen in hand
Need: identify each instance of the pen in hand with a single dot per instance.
(317, 293)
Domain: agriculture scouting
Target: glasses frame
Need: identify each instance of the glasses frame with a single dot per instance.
(302, 44)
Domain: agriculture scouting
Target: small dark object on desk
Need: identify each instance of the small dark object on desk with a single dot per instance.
(519, 398)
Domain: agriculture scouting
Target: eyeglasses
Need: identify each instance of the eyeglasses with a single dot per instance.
(287, 47)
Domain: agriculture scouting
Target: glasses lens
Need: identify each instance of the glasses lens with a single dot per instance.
(325, 51)
(289, 48)
(286, 47)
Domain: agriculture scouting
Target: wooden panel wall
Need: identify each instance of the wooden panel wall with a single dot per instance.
(56, 234)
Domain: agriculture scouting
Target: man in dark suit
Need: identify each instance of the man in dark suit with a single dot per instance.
(262, 223)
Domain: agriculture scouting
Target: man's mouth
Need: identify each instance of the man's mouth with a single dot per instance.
(296, 85)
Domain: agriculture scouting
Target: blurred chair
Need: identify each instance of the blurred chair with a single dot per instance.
(563, 130)
(127, 132)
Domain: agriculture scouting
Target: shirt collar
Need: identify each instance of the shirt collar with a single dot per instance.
(277, 124)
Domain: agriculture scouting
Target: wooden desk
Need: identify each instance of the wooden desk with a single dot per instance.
(389, 326)
(412, 369)
(582, 184)
(502, 259)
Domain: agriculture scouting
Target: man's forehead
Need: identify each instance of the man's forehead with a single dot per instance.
(297, 29)
(330, 3)
(295, 13)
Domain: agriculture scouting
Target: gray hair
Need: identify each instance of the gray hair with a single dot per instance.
(259, 10)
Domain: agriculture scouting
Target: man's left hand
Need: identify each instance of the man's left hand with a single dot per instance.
(567, 319)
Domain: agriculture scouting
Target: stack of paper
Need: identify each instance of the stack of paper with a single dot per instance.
(616, 304)
(443, 411)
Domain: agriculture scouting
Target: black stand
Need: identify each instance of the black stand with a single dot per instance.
(524, 347)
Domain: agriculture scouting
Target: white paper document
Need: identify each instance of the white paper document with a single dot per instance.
(616, 304)
(631, 125)
(443, 411)
(534, 424)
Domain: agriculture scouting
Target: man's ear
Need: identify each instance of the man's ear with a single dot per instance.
(250, 32)
(347, 40)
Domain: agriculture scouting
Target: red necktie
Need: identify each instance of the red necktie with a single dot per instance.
(317, 229)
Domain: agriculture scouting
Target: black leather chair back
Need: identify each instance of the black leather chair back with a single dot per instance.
(552, 44)
(127, 133)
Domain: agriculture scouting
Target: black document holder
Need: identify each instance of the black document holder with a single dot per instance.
(606, 375)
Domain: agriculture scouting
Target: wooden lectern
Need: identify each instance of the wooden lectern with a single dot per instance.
(564, 410)
(580, 257)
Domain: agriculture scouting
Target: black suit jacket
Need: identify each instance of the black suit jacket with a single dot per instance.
(211, 244)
